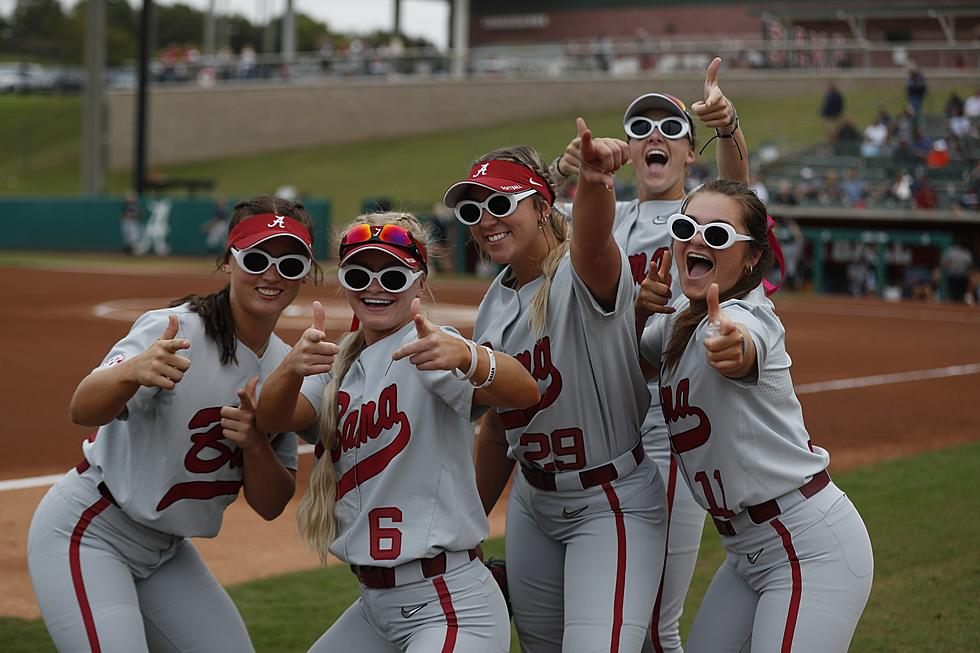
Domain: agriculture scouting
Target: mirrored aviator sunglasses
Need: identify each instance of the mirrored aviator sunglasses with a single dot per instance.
(672, 127)
(392, 234)
(257, 261)
(395, 279)
(499, 205)
(716, 235)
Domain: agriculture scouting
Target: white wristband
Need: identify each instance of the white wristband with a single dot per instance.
(493, 370)
(472, 370)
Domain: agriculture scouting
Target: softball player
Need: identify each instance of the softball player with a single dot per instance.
(587, 514)
(396, 497)
(799, 565)
(661, 137)
(109, 552)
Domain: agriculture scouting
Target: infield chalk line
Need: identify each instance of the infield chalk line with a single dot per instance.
(802, 389)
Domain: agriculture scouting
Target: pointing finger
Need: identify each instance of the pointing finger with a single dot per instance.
(664, 272)
(714, 308)
(711, 77)
(319, 316)
(581, 126)
(173, 325)
(246, 396)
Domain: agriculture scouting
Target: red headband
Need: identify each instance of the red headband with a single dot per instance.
(778, 253)
(259, 228)
(500, 175)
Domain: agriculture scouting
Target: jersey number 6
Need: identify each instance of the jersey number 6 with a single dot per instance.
(390, 536)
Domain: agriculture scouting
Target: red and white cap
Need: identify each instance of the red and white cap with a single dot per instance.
(259, 228)
(499, 175)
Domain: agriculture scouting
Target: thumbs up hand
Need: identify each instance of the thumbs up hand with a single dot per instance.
(655, 289)
(313, 353)
(715, 111)
(433, 348)
(160, 366)
(724, 341)
(238, 422)
(600, 158)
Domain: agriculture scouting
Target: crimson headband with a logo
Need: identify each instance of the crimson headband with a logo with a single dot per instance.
(258, 228)
(509, 177)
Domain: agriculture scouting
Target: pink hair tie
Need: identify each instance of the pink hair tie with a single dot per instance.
(777, 251)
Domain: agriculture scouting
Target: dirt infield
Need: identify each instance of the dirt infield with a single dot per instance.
(57, 324)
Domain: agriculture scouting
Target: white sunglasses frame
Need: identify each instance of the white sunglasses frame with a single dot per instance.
(733, 236)
(376, 276)
(240, 254)
(515, 199)
(655, 124)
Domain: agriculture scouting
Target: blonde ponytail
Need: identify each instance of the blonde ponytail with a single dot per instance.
(317, 524)
(538, 313)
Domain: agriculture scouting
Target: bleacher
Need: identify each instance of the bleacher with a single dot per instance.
(817, 173)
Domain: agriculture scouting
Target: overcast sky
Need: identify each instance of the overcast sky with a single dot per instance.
(428, 18)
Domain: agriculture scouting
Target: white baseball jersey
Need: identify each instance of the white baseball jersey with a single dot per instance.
(593, 395)
(640, 228)
(164, 458)
(739, 442)
(406, 486)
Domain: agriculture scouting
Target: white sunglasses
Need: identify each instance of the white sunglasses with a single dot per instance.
(499, 205)
(394, 279)
(257, 261)
(716, 235)
(641, 127)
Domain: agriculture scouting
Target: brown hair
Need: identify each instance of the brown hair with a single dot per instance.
(316, 520)
(556, 220)
(756, 219)
(215, 309)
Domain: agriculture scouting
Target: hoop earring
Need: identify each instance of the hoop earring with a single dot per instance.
(750, 268)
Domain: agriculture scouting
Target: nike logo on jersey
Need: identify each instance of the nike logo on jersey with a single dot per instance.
(568, 514)
(753, 556)
(661, 219)
(410, 611)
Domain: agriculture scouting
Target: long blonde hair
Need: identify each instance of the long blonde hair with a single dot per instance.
(317, 523)
(555, 220)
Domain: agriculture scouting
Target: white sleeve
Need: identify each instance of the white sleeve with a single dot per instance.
(145, 331)
(652, 339)
(284, 445)
(312, 388)
(456, 393)
(765, 329)
(624, 292)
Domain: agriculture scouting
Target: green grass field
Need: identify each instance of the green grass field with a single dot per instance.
(920, 511)
(43, 136)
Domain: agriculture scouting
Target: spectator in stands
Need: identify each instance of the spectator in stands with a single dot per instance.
(874, 140)
(971, 106)
(129, 222)
(831, 194)
(957, 263)
(970, 199)
(853, 187)
(924, 196)
(915, 89)
(905, 156)
(938, 156)
(921, 144)
(848, 133)
(831, 110)
(960, 130)
(954, 105)
(785, 194)
(904, 127)
(901, 188)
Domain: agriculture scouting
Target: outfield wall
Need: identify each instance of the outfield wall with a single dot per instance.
(258, 117)
(168, 226)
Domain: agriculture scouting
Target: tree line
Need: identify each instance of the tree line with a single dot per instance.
(44, 31)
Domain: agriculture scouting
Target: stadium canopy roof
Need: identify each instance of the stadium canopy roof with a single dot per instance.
(856, 17)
